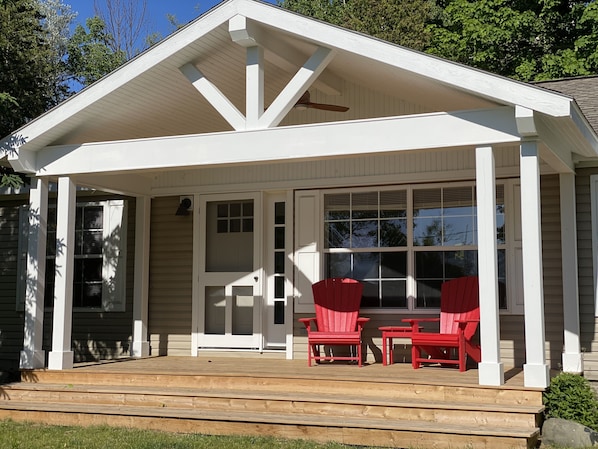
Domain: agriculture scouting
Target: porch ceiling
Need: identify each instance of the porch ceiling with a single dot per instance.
(162, 102)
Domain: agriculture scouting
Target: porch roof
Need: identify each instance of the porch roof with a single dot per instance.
(150, 97)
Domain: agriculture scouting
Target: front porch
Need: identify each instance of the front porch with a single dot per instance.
(392, 406)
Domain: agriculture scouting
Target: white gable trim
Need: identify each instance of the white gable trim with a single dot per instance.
(439, 130)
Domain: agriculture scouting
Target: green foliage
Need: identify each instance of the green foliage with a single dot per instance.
(522, 39)
(570, 396)
(26, 74)
(402, 22)
(89, 54)
(529, 40)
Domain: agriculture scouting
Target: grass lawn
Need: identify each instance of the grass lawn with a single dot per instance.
(15, 435)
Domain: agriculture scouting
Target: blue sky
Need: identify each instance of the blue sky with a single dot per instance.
(184, 10)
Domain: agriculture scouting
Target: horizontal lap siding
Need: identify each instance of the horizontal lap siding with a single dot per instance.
(11, 321)
(103, 335)
(171, 262)
(552, 264)
(587, 314)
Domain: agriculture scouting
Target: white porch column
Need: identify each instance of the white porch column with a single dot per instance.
(491, 370)
(572, 357)
(141, 346)
(32, 355)
(535, 369)
(61, 356)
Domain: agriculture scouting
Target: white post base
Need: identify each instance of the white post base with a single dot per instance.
(140, 349)
(60, 360)
(492, 374)
(573, 363)
(536, 375)
(32, 359)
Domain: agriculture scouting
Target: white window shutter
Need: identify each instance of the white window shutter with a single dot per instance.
(22, 256)
(307, 242)
(115, 244)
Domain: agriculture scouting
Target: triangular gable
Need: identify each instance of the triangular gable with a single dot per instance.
(153, 94)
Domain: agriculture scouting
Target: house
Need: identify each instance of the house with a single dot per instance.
(190, 199)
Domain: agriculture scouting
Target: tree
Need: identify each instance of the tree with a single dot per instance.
(90, 56)
(26, 74)
(402, 22)
(523, 39)
(56, 20)
(126, 23)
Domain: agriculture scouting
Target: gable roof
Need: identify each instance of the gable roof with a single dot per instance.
(150, 96)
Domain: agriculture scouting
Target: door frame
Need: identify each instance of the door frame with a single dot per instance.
(199, 239)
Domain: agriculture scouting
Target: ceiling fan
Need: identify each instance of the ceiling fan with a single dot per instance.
(304, 103)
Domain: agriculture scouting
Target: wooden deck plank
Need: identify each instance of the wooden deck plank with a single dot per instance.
(377, 405)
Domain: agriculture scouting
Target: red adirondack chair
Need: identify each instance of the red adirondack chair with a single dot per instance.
(459, 319)
(337, 321)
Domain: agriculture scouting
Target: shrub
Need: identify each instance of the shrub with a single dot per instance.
(570, 396)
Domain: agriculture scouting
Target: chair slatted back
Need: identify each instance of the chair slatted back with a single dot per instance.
(337, 302)
(459, 300)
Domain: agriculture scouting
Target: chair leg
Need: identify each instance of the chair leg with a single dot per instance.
(462, 358)
(359, 355)
(415, 356)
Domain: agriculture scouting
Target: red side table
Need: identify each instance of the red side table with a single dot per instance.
(388, 333)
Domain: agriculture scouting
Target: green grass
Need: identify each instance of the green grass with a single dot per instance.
(15, 435)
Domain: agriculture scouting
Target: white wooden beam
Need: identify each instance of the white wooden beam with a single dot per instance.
(214, 96)
(248, 33)
(491, 370)
(130, 185)
(572, 357)
(535, 370)
(302, 80)
(32, 355)
(254, 89)
(140, 346)
(22, 161)
(61, 356)
(402, 133)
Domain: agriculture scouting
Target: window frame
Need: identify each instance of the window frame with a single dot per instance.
(113, 273)
(411, 249)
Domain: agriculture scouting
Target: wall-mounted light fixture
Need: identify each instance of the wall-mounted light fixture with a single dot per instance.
(185, 206)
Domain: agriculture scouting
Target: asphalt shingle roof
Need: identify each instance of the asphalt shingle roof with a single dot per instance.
(585, 92)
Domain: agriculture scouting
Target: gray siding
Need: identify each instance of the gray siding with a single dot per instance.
(587, 313)
(96, 335)
(171, 261)
(108, 335)
(11, 321)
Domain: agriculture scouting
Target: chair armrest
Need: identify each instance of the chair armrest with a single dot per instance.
(307, 322)
(361, 321)
(414, 322)
(468, 327)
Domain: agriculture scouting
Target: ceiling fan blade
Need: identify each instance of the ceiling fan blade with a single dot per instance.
(327, 107)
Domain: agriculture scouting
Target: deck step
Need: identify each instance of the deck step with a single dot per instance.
(321, 404)
(343, 405)
(345, 429)
(262, 383)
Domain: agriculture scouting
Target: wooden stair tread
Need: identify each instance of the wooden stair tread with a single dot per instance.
(275, 396)
(261, 417)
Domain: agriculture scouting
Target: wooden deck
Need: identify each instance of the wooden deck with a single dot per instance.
(388, 406)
